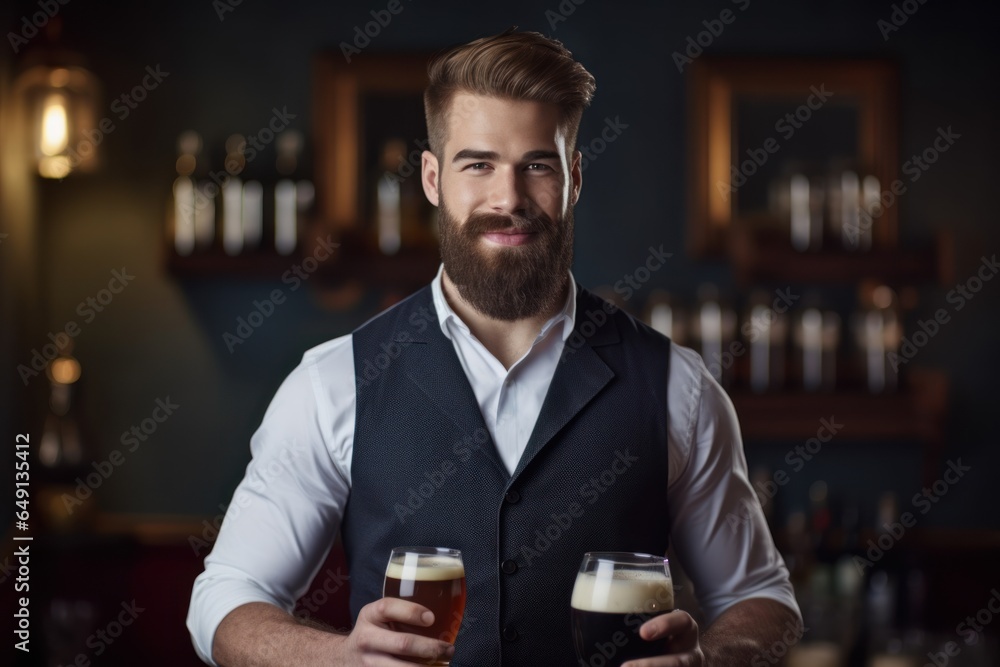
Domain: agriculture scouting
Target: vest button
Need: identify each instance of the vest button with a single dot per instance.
(509, 566)
(509, 633)
(513, 497)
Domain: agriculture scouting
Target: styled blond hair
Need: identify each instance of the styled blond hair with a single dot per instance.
(512, 66)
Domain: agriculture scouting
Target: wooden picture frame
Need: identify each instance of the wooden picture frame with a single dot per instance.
(341, 127)
(716, 85)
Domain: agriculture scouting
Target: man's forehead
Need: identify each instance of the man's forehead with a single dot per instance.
(484, 118)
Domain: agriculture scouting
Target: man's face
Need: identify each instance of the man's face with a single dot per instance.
(505, 190)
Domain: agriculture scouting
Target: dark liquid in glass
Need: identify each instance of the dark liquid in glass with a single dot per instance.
(608, 640)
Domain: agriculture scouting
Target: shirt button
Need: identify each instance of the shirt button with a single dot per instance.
(512, 497)
(509, 633)
(509, 566)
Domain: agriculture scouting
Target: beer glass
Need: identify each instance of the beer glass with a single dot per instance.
(615, 593)
(435, 578)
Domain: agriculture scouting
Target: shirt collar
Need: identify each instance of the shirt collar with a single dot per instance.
(566, 316)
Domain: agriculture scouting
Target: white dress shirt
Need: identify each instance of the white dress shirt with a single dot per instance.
(285, 513)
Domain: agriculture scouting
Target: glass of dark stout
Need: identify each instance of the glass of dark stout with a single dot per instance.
(435, 578)
(615, 593)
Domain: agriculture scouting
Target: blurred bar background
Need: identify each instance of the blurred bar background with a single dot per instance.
(192, 194)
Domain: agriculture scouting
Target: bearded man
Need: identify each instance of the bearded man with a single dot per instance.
(520, 395)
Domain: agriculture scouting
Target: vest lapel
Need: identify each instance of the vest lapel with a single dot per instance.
(433, 366)
(580, 376)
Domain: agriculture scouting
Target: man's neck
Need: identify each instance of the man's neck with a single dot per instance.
(506, 340)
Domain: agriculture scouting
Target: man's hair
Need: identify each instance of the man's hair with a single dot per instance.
(509, 66)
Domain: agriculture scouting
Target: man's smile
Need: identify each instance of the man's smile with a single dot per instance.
(509, 236)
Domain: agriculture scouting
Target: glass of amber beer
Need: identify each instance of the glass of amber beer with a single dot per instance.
(435, 578)
(615, 593)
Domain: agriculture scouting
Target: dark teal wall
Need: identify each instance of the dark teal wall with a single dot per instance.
(162, 338)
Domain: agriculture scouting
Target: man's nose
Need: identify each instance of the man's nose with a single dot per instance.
(508, 193)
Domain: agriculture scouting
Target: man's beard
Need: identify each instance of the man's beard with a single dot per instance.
(508, 282)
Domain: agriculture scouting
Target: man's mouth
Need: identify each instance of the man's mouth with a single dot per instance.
(508, 236)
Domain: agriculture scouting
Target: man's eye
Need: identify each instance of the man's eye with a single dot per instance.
(478, 166)
(538, 166)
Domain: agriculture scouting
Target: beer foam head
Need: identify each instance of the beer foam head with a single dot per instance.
(624, 592)
(426, 568)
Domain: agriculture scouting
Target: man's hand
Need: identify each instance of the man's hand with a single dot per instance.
(373, 641)
(260, 634)
(680, 630)
(743, 633)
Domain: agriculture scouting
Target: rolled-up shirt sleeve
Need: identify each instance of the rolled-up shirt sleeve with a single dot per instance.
(718, 530)
(284, 515)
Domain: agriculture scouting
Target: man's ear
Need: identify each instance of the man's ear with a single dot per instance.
(429, 173)
(576, 174)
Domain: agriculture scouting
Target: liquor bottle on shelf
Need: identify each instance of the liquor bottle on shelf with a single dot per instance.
(293, 195)
(206, 194)
(232, 196)
(853, 205)
(798, 196)
(184, 227)
(877, 334)
(766, 332)
(664, 314)
(817, 337)
(714, 328)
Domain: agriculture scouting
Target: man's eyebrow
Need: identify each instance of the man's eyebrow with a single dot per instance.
(471, 154)
(541, 155)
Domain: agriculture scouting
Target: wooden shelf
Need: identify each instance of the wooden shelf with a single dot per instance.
(916, 413)
(759, 256)
(354, 260)
(216, 264)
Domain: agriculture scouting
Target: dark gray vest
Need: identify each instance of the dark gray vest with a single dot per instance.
(425, 472)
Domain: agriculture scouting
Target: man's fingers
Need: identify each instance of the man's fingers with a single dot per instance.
(678, 625)
(382, 633)
(388, 610)
(375, 640)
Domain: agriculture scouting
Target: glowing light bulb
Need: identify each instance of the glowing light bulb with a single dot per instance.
(55, 128)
